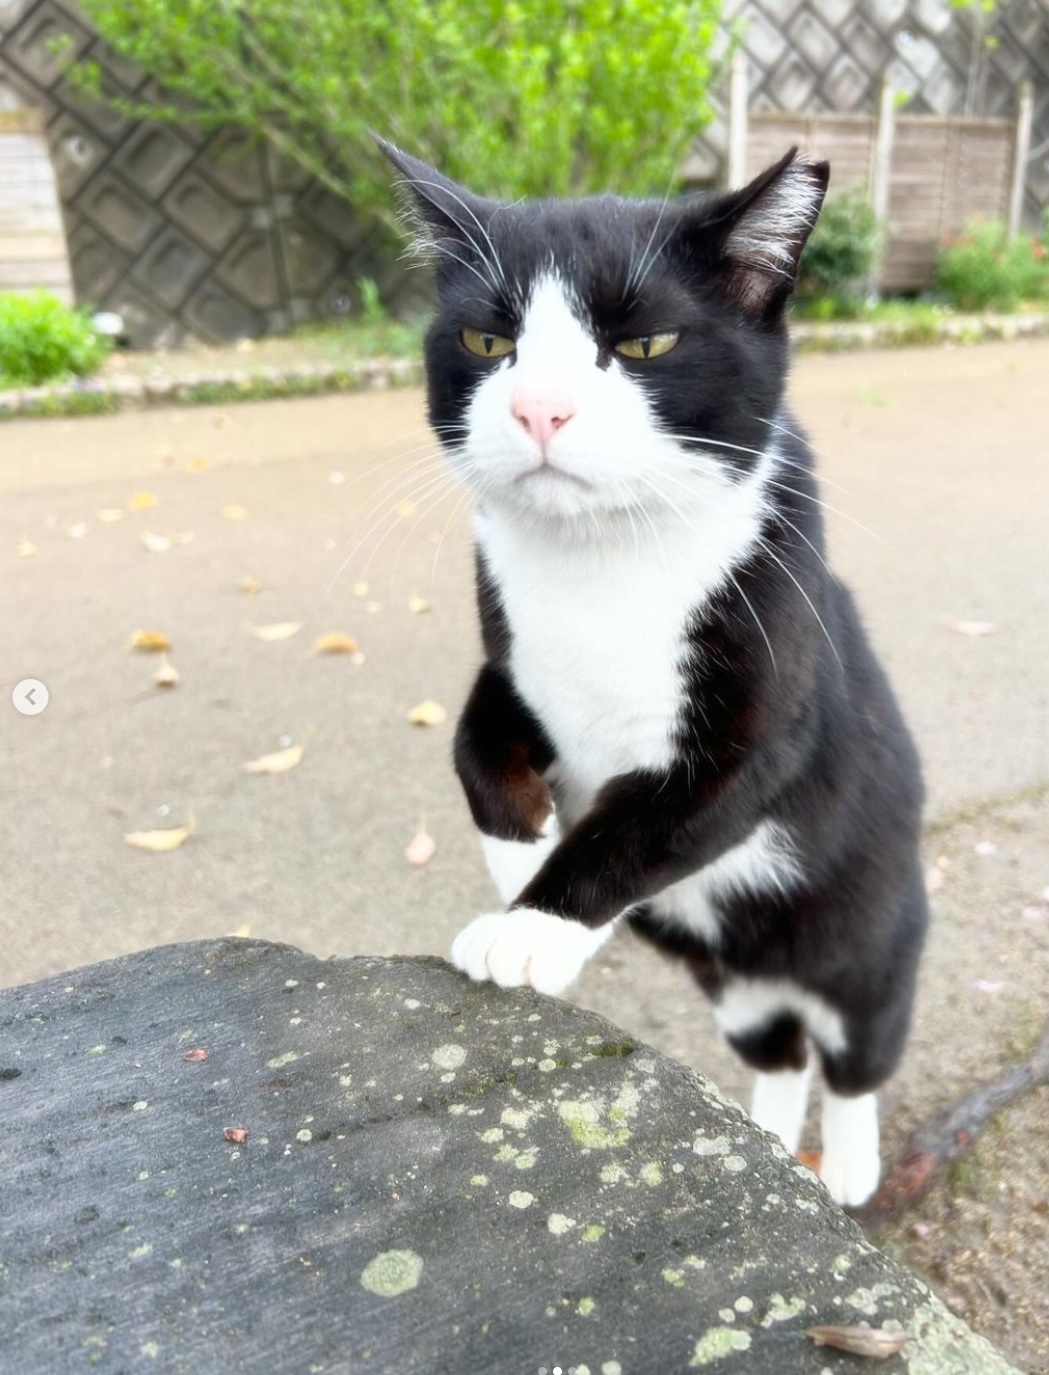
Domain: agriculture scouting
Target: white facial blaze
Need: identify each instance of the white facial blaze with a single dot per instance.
(608, 456)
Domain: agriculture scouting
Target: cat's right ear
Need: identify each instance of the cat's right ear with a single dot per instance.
(442, 214)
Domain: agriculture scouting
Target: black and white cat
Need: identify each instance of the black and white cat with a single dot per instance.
(679, 722)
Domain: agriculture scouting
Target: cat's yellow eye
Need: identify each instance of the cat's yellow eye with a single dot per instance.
(486, 345)
(648, 345)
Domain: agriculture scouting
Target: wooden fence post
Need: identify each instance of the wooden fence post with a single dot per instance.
(1021, 152)
(737, 120)
(883, 140)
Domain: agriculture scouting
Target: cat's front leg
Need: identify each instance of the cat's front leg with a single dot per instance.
(500, 754)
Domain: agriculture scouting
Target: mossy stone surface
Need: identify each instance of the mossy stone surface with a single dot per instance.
(419, 1191)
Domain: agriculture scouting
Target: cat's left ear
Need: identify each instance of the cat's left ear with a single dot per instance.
(763, 229)
(443, 211)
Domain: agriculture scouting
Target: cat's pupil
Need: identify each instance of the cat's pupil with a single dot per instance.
(646, 344)
(489, 342)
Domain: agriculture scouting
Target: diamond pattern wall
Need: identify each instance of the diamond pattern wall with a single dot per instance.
(210, 234)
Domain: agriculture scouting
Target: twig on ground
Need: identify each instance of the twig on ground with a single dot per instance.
(953, 1132)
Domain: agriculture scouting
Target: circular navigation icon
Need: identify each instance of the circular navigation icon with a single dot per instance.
(30, 697)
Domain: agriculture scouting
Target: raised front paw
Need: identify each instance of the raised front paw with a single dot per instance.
(525, 947)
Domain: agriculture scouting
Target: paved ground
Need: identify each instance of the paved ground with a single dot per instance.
(938, 464)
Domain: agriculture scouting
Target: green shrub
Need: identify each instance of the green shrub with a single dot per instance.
(41, 340)
(841, 255)
(546, 97)
(984, 269)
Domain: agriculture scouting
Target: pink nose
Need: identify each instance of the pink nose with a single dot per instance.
(542, 413)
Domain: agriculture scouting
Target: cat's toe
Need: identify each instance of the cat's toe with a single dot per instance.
(851, 1182)
(522, 947)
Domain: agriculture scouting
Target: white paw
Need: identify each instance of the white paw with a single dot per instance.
(851, 1165)
(526, 947)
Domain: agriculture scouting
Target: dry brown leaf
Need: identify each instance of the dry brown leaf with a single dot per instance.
(156, 544)
(250, 585)
(280, 630)
(160, 841)
(194, 1057)
(153, 641)
(359, 589)
(281, 761)
(238, 1135)
(142, 501)
(198, 465)
(418, 605)
(77, 531)
(335, 642)
(27, 549)
(875, 1342)
(973, 628)
(427, 713)
(406, 510)
(812, 1160)
(234, 511)
(109, 515)
(420, 849)
(166, 676)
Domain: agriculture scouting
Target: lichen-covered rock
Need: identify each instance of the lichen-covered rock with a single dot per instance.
(437, 1177)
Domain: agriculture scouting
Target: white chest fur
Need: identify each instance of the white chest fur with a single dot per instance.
(598, 626)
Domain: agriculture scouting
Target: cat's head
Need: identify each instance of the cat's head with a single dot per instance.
(597, 355)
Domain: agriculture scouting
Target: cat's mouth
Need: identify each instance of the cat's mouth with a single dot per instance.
(550, 472)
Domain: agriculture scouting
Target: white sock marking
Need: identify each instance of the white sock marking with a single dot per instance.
(514, 863)
(779, 1103)
(526, 947)
(851, 1164)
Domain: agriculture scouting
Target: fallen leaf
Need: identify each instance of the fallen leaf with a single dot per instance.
(160, 841)
(194, 1057)
(166, 676)
(109, 515)
(198, 465)
(238, 1135)
(281, 630)
(27, 550)
(973, 627)
(418, 605)
(153, 641)
(427, 713)
(142, 501)
(359, 589)
(156, 544)
(250, 585)
(234, 511)
(335, 642)
(406, 510)
(282, 761)
(875, 1342)
(77, 531)
(420, 849)
(243, 931)
(372, 607)
(810, 1159)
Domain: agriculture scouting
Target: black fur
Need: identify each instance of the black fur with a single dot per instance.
(790, 722)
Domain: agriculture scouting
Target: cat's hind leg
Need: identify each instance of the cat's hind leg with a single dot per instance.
(775, 1045)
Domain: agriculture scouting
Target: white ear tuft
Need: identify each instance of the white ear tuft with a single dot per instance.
(769, 230)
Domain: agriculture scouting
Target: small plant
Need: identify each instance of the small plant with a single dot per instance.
(42, 340)
(840, 258)
(985, 269)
